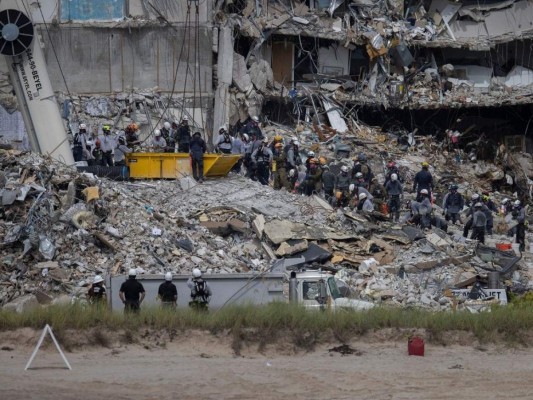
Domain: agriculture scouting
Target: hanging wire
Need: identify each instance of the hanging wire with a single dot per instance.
(199, 72)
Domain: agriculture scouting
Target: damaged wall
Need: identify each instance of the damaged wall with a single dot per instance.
(125, 59)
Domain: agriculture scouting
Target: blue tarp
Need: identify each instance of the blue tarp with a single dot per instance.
(92, 9)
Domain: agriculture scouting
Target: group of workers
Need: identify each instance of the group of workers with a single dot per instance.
(132, 292)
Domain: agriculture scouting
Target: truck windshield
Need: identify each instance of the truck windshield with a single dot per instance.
(335, 292)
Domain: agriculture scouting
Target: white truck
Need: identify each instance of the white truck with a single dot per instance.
(318, 290)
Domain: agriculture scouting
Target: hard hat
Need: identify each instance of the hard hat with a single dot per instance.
(425, 164)
(322, 160)
(222, 128)
(197, 134)
(132, 272)
(132, 127)
(83, 126)
(292, 172)
(424, 191)
(185, 118)
(344, 168)
(478, 205)
(359, 175)
(517, 203)
(196, 273)
(361, 157)
(245, 137)
(168, 276)
(97, 143)
(278, 138)
(362, 196)
(255, 118)
(338, 195)
(157, 132)
(89, 142)
(486, 198)
(351, 187)
(98, 279)
(294, 139)
(313, 161)
(106, 128)
(265, 139)
(278, 145)
(453, 186)
(166, 125)
(394, 177)
(505, 201)
(475, 196)
(391, 164)
(311, 154)
(296, 143)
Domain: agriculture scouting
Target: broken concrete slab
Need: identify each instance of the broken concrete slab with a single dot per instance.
(281, 231)
(241, 78)
(285, 249)
(258, 226)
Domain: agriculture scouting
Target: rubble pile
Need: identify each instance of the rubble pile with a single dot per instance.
(59, 228)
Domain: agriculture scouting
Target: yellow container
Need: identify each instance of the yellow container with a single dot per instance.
(176, 165)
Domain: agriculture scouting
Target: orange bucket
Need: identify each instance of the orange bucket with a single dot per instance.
(504, 246)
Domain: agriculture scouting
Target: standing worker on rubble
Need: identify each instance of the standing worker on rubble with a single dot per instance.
(421, 210)
(394, 190)
(167, 134)
(361, 166)
(79, 143)
(328, 182)
(261, 158)
(489, 208)
(200, 291)
(279, 168)
(197, 150)
(120, 152)
(224, 141)
(290, 144)
(392, 168)
(293, 156)
(470, 212)
(310, 156)
(423, 180)
(158, 144)
(167, 292)
(313, 180)
(97, 153)
(97, 294)
(519, 215)
(342, 187)
(238, 147)
(132, 293)
(107, 144)
(131, 135)
(479, 222)
(452, 204)
(252, 128)
(183, 135)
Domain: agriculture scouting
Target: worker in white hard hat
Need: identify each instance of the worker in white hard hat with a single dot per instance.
(183, 136)
(167, 134)
(421, 210)
(224, 141)
(158, 143)
(519, 215)
(293, 155)
(132, 293)
(79, 142)
(167, 292)
(200, 291)
(261, 160)
(252, 128)
(97, 294)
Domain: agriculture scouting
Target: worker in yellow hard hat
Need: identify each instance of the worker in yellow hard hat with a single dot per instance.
(279, 167)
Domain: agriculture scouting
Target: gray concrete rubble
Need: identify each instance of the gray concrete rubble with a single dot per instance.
(59, 228)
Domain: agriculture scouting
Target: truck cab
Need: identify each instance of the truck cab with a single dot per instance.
(318, 290)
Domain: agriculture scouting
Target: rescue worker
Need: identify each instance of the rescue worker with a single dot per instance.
(132, 293)
(224, 141)
(359, 180)
(88, 153)
(255, 143)
(79, 143)
(421, 210)
(361, 166)
(470, 212)
(452, 204)
(342, 187)
(328, 182)
(277, 139)
(107, 144)
(200, 291)
(423, 180)
(167, 292)
(131, 135)
(158, 144)
(505, 207)
(252, 128)
(479, 222)
(394, 190)
(98, 154)
(293, 178)
(488, 209)
(197, 150)
(354, 192)
(519, 215)
(392, 168)
(167, 134)
(261, 158)
(313, 180)
(97, 294)
(293, 156)
(365, 204)
(238, 147)
(184, 136)
(121, 150)
(290, 144)
(310, 156)
(279, 167)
